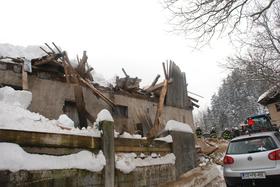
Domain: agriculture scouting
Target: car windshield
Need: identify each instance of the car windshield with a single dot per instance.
(261, 124)
(251, 145)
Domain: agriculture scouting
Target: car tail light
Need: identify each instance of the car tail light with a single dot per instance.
(228, 160)
(275, 155)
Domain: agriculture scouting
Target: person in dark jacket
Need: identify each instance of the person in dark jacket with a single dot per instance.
(226, 134)
(213, 133)
(198, 132)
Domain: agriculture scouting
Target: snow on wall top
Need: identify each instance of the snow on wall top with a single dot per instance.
(14, 158)
(127, 162)
(16, 98)
(167, 139)
(173, 125)
(104, 115)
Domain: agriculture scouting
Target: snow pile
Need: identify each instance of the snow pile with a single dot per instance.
(167, 139)
(173, 125)
(13, 115)
(65, 121)
(16, 98)
(104, 115)
(127, 162)
(14, 158)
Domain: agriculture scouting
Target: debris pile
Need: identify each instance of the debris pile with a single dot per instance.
(211, 150)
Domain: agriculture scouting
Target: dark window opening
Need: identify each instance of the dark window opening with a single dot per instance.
(120, 111)
(70, 109)
(13, 86)
(139, 129)
(277, 105)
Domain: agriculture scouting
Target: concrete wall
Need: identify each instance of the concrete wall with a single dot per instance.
(275, 115)
(140, 177)
(49, 96)
(137, 106)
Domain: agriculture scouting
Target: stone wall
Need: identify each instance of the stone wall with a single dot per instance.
(140, 177)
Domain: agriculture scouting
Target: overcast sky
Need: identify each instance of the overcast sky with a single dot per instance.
(124, 33)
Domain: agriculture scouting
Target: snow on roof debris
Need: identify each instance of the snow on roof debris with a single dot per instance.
(14, 158)
(127, 162)
(17, 98)
(104, 115)
(173, 125)
(268, 93)
(14, 115)
(99, 79)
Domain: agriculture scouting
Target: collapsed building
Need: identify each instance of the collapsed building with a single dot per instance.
(59, 87)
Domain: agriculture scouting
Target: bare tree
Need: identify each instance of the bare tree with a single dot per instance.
(262, 58)
(203, 19)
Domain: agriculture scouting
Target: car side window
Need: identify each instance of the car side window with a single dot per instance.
(277, 135)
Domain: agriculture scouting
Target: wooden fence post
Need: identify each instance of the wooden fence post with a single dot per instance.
(108, 149)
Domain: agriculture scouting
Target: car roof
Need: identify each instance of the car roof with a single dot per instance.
(252, 135)
(259, 115)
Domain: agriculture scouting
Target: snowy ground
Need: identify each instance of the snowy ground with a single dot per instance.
(219, 181)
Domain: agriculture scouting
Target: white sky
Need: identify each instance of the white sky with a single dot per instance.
(116, 34)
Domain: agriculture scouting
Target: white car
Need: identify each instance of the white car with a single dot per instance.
(253, 160)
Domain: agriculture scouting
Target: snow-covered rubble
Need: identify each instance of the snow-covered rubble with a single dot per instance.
(14, 158)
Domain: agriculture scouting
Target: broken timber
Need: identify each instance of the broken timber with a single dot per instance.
(157, 127)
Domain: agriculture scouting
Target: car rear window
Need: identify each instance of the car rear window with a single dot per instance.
(251, 145)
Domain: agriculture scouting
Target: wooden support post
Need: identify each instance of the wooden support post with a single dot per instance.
(24, 79)
(80, 103)
(108, 149)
